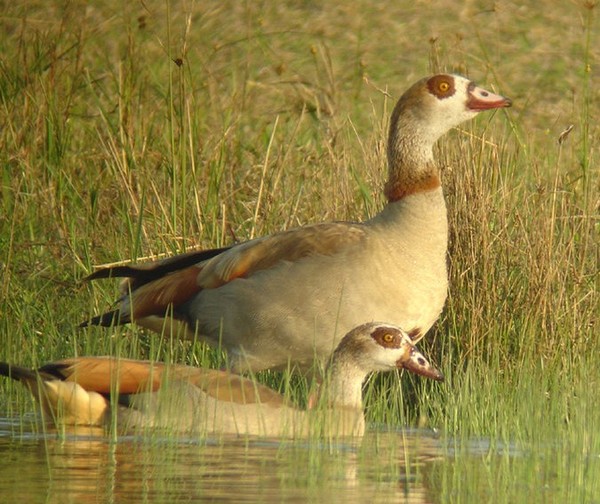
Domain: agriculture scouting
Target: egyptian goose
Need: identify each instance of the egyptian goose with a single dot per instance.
(183, 398)
(291, 296)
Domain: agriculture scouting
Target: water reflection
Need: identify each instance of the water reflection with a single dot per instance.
(85, 465)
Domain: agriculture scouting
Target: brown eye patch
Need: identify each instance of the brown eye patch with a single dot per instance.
(441, 86)
(387, 337)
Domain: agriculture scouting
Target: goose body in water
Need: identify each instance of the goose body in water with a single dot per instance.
(147, 394)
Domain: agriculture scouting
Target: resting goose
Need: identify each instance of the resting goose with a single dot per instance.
(291, 296)
(183, 398)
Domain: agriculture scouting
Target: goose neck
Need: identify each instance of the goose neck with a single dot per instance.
(342, 387)
(411, 167)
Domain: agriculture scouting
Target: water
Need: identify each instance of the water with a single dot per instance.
(86, 466)
(404, 466)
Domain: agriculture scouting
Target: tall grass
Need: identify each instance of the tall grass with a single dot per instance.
(132, 131)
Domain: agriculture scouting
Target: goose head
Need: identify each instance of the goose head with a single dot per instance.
(435, 104)
(427, 110)
(379, 346)
(374, 346)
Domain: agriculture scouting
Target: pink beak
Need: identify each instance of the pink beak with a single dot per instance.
(480, 99)
(418, 364)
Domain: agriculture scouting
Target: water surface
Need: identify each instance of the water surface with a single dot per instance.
(407, 466)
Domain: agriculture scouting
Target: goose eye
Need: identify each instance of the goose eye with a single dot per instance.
(388, 338)
(441, 86)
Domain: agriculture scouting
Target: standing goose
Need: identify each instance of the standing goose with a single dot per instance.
(291, 296)
(150, 394)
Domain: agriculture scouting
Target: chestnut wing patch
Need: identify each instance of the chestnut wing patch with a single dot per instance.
(106, 374)
(288, 246)
(128, 377)
(173, 287)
